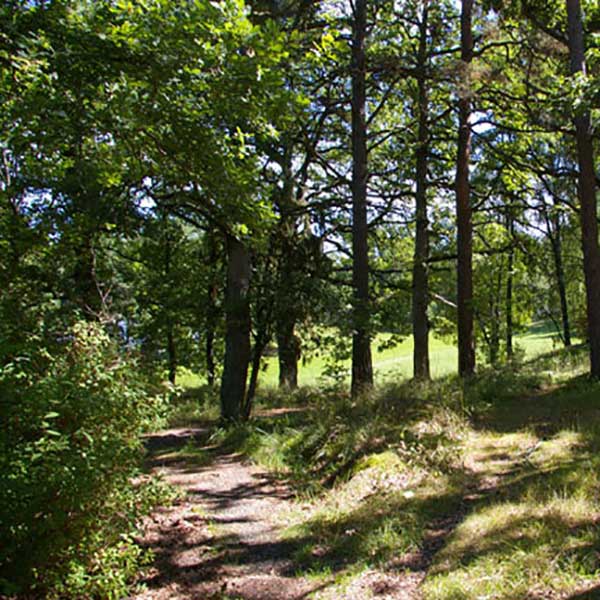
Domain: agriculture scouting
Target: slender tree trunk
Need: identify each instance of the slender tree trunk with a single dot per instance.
(171, 353)
(495, 321)
(556, 242)
(87, 295)
(211, 312)
(509, 290)
(262, 340)
(237, 335)
(171, 349)
(288, 347)
(86, 217)
(466, 344)
(587, 193)
(420, 282)
(554, 233)
(362, 367)
(210, 357)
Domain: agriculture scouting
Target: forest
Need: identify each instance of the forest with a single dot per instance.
(299, 299)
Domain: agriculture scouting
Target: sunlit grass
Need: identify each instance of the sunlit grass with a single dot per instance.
(507, 465)
(396, 362)
(533, 525)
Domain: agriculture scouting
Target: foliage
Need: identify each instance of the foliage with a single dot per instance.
(69, 448)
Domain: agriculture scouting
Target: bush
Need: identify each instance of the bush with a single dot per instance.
(69, 447)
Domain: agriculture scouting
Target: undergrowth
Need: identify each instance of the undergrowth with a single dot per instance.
(69, 454)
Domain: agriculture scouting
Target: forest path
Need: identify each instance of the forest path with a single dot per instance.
(222, 538)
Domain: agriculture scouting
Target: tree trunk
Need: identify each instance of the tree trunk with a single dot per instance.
(495, 321)
(362, 368)
(560, 280)
(237, 334)
(466, 345)
(262, 340)
(171, 353)
(210, 357)
(587, 193)
(288, 347)
(509, 290)
(87, 295)
(420, 281)
(211, 312)
(171, 349)
(288, 352)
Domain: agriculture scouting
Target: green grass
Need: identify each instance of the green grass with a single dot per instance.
(393, 364)
(396, 363)
(536, 529)
(507, 467)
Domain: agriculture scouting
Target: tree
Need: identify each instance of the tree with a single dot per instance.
(362, 367)
(466, 348)
(420, 279)
(587, 190)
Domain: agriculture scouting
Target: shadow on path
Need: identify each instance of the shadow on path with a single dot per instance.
(223, 538)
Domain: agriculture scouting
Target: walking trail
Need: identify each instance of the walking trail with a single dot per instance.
(223, 538)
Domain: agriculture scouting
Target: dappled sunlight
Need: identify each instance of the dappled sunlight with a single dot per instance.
(533, 528)
(437, 490)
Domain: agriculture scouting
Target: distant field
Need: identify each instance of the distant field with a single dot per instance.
(396, 363)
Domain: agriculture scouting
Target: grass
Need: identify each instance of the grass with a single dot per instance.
(536, 528)
(388, 363)
(394, 363)
(391, 364)
(492, 488)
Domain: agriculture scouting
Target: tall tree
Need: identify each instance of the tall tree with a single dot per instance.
(362, 366)
(464, 211)
(587, 191)
(420, 282)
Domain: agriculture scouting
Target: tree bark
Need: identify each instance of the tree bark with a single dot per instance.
(171, 347)
(495, 321)
(171, 353)
(288, 347)
(561, 281)
(554, 230)
(87, 295)
(466, 345)
(288, 351)
(420, 280)
(237, 334)
(509, 290)
(211, 311)
(587, 192)
(362, 367)
(262, 339)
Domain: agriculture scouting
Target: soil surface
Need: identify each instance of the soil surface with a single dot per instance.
(223, 538)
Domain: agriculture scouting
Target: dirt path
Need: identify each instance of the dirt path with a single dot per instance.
(223, 538)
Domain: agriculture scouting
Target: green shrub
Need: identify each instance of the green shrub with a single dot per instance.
(69, 447)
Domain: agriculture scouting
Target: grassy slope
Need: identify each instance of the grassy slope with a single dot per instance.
(493, 491)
